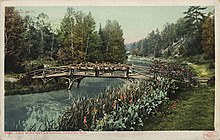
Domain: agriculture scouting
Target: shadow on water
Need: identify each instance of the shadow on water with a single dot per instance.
(28, 112)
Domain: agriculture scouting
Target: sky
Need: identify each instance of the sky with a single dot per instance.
(136, 21)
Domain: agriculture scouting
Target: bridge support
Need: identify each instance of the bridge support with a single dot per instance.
(46, 80)
(78, 82)
(70, 95)
(71, 81)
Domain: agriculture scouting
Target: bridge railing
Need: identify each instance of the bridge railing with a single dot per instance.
(45, 71)
(78, 68)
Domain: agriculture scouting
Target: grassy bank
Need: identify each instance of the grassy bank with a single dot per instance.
(202, 70)
(17, 88)
(193, 110)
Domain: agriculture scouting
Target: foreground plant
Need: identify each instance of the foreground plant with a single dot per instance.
(117, 109)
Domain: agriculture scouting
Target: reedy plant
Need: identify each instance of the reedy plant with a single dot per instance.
(122, 108)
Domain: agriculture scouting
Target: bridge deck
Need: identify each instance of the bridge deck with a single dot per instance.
(90, 74)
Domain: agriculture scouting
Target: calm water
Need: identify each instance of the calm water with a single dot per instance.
(22, 112)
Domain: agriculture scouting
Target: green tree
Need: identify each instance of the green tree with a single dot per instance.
(115, 48)
(15, 47)
(194, 19)
(152, 44)
(168, 35)
(40, 37)
(104, 42)
(157, 47)
(43, 26)
(90, 42)
(78, 37)
(180, 28)
(77, 31)
(32, 38)
(65, 35)
(208, 36)
(67, 28)
(46, 35)
(94, 48)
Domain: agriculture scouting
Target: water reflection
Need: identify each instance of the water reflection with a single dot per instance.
(70, 95)
(43, 112)
(29, 112)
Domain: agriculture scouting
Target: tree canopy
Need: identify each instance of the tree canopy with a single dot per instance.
(15, 47)
(191, 35)
(32, 38)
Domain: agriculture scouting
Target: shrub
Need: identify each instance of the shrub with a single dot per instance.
(33, 65)
(182, 76)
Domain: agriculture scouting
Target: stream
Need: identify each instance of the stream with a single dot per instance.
(22, 112)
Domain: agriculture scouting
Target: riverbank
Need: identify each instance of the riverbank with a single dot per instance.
(15, 87)
(192, 110)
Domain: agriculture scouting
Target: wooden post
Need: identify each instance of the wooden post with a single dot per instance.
(78, 82)
(127, 71)
(70, 94)
(70, 83)
(43, 73)
(96, 71)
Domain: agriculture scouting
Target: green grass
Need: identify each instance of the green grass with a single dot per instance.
(202, 70)
(194, 111)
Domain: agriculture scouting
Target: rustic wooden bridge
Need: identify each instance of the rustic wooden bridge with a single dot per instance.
(76, 72)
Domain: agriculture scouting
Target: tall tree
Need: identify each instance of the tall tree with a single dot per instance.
(43, 25)
(115, 48)
(77, 34)
(208, 36)
(65, 35)
(78, 37)
(94, 51)
(15, 47)
(180, 28)
(157, 47)
(91, 40)
(168, 35)
(32, 38)
(104, 42)
(194, 19)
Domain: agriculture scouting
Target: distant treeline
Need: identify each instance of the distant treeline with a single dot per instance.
(33, 40)
(194, 32)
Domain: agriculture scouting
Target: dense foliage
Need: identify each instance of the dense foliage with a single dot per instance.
(182, 75)
(14, 35)
(29, 39)
(208, 36)
(191, 35)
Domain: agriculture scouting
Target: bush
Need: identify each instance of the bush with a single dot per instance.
(33, 65)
